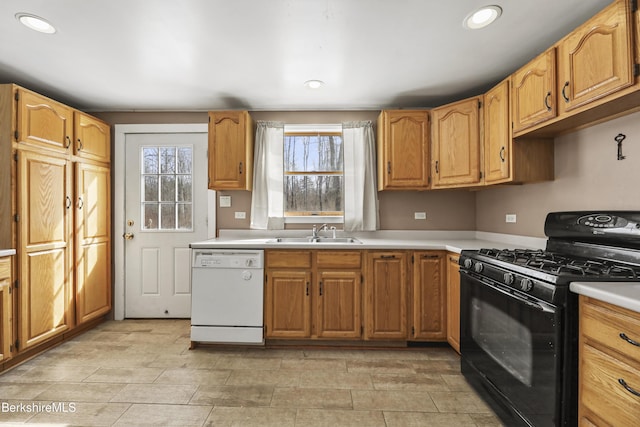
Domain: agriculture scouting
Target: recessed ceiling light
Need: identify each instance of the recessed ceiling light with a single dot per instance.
(314, 84)
(482, 17)
(35, 23)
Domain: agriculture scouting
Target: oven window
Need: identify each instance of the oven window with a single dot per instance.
(505, 339)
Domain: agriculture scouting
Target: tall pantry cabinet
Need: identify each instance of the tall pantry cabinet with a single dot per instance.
(60, 214)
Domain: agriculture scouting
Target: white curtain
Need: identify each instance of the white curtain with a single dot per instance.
(267, 203)
(360, 195)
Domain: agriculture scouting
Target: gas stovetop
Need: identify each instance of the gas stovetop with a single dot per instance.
(557, 264)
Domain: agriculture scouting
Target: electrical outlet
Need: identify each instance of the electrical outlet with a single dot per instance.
(510, 218)
(419, 215)
(241, 215)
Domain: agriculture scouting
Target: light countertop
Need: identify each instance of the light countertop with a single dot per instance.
(452, 241)
(623, 294)
(7, 252)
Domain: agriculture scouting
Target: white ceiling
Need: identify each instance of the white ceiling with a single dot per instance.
(256, 54)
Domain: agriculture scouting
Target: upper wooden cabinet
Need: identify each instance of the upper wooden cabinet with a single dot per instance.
(231, 137)
(534, 92)
(43, 122)
(497, 135)
(597, 58)
(403, 150)
(506, 159)
(455, 144)
(429, 296)
(92, 138)
(588, 76)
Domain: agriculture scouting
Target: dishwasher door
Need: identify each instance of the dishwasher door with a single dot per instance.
(227, 296)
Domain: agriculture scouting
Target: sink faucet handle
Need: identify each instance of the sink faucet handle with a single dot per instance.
(333, 230)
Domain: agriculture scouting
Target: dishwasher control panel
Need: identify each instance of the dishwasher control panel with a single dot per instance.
(221, 258)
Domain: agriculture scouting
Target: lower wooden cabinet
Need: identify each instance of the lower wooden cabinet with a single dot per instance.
(6, 306)
(386, 296)
(44, 247)
(356, 294)
(453, 302)
(609, 365)
(339, 302)
(429, 296)
(288, 304)
(93, 241)
(313, 294)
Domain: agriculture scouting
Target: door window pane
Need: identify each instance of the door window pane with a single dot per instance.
(167, 188)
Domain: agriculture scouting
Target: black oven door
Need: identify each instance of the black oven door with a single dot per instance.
(510, 345)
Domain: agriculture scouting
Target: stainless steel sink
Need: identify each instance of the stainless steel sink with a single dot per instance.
(343, 240)
(337, 240)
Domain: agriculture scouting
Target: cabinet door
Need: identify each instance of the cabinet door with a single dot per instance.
(43, 122)
(534, 92)
(456, 144)
(429, 296)
(6, 312)
(338, 307)
(497, 135)
(386, 296)
(453, 302)
(45, 211)
(596, 59)
(288, 306)
(230, 150)
(92, 138)
(403, 147)
(93, 241)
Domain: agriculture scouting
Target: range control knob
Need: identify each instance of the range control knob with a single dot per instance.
(508, 278)
(478, 267)
(468, 263)
(526, 285)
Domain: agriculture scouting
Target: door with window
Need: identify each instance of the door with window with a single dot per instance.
(165, 210)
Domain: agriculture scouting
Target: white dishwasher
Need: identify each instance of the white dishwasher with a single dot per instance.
(227, 296)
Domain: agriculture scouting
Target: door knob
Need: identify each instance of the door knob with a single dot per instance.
(127, 236)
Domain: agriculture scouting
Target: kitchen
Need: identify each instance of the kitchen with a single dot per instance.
(579, 182)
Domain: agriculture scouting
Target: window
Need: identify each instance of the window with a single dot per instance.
(313, 174)
(167, 188)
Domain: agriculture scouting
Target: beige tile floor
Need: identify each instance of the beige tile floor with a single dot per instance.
(141, 372)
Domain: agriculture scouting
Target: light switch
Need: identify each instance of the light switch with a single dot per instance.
(241, 215)
(225, 201)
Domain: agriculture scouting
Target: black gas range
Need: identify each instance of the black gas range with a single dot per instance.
(519, 321)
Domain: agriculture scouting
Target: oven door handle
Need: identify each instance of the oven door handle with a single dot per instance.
(536, 305)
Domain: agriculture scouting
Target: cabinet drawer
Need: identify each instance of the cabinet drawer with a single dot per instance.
(612, 328)
(288, 259)
(5, 268)
(601, 392)
(339, 259)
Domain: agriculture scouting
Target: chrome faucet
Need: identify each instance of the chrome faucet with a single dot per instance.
(315, 230)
